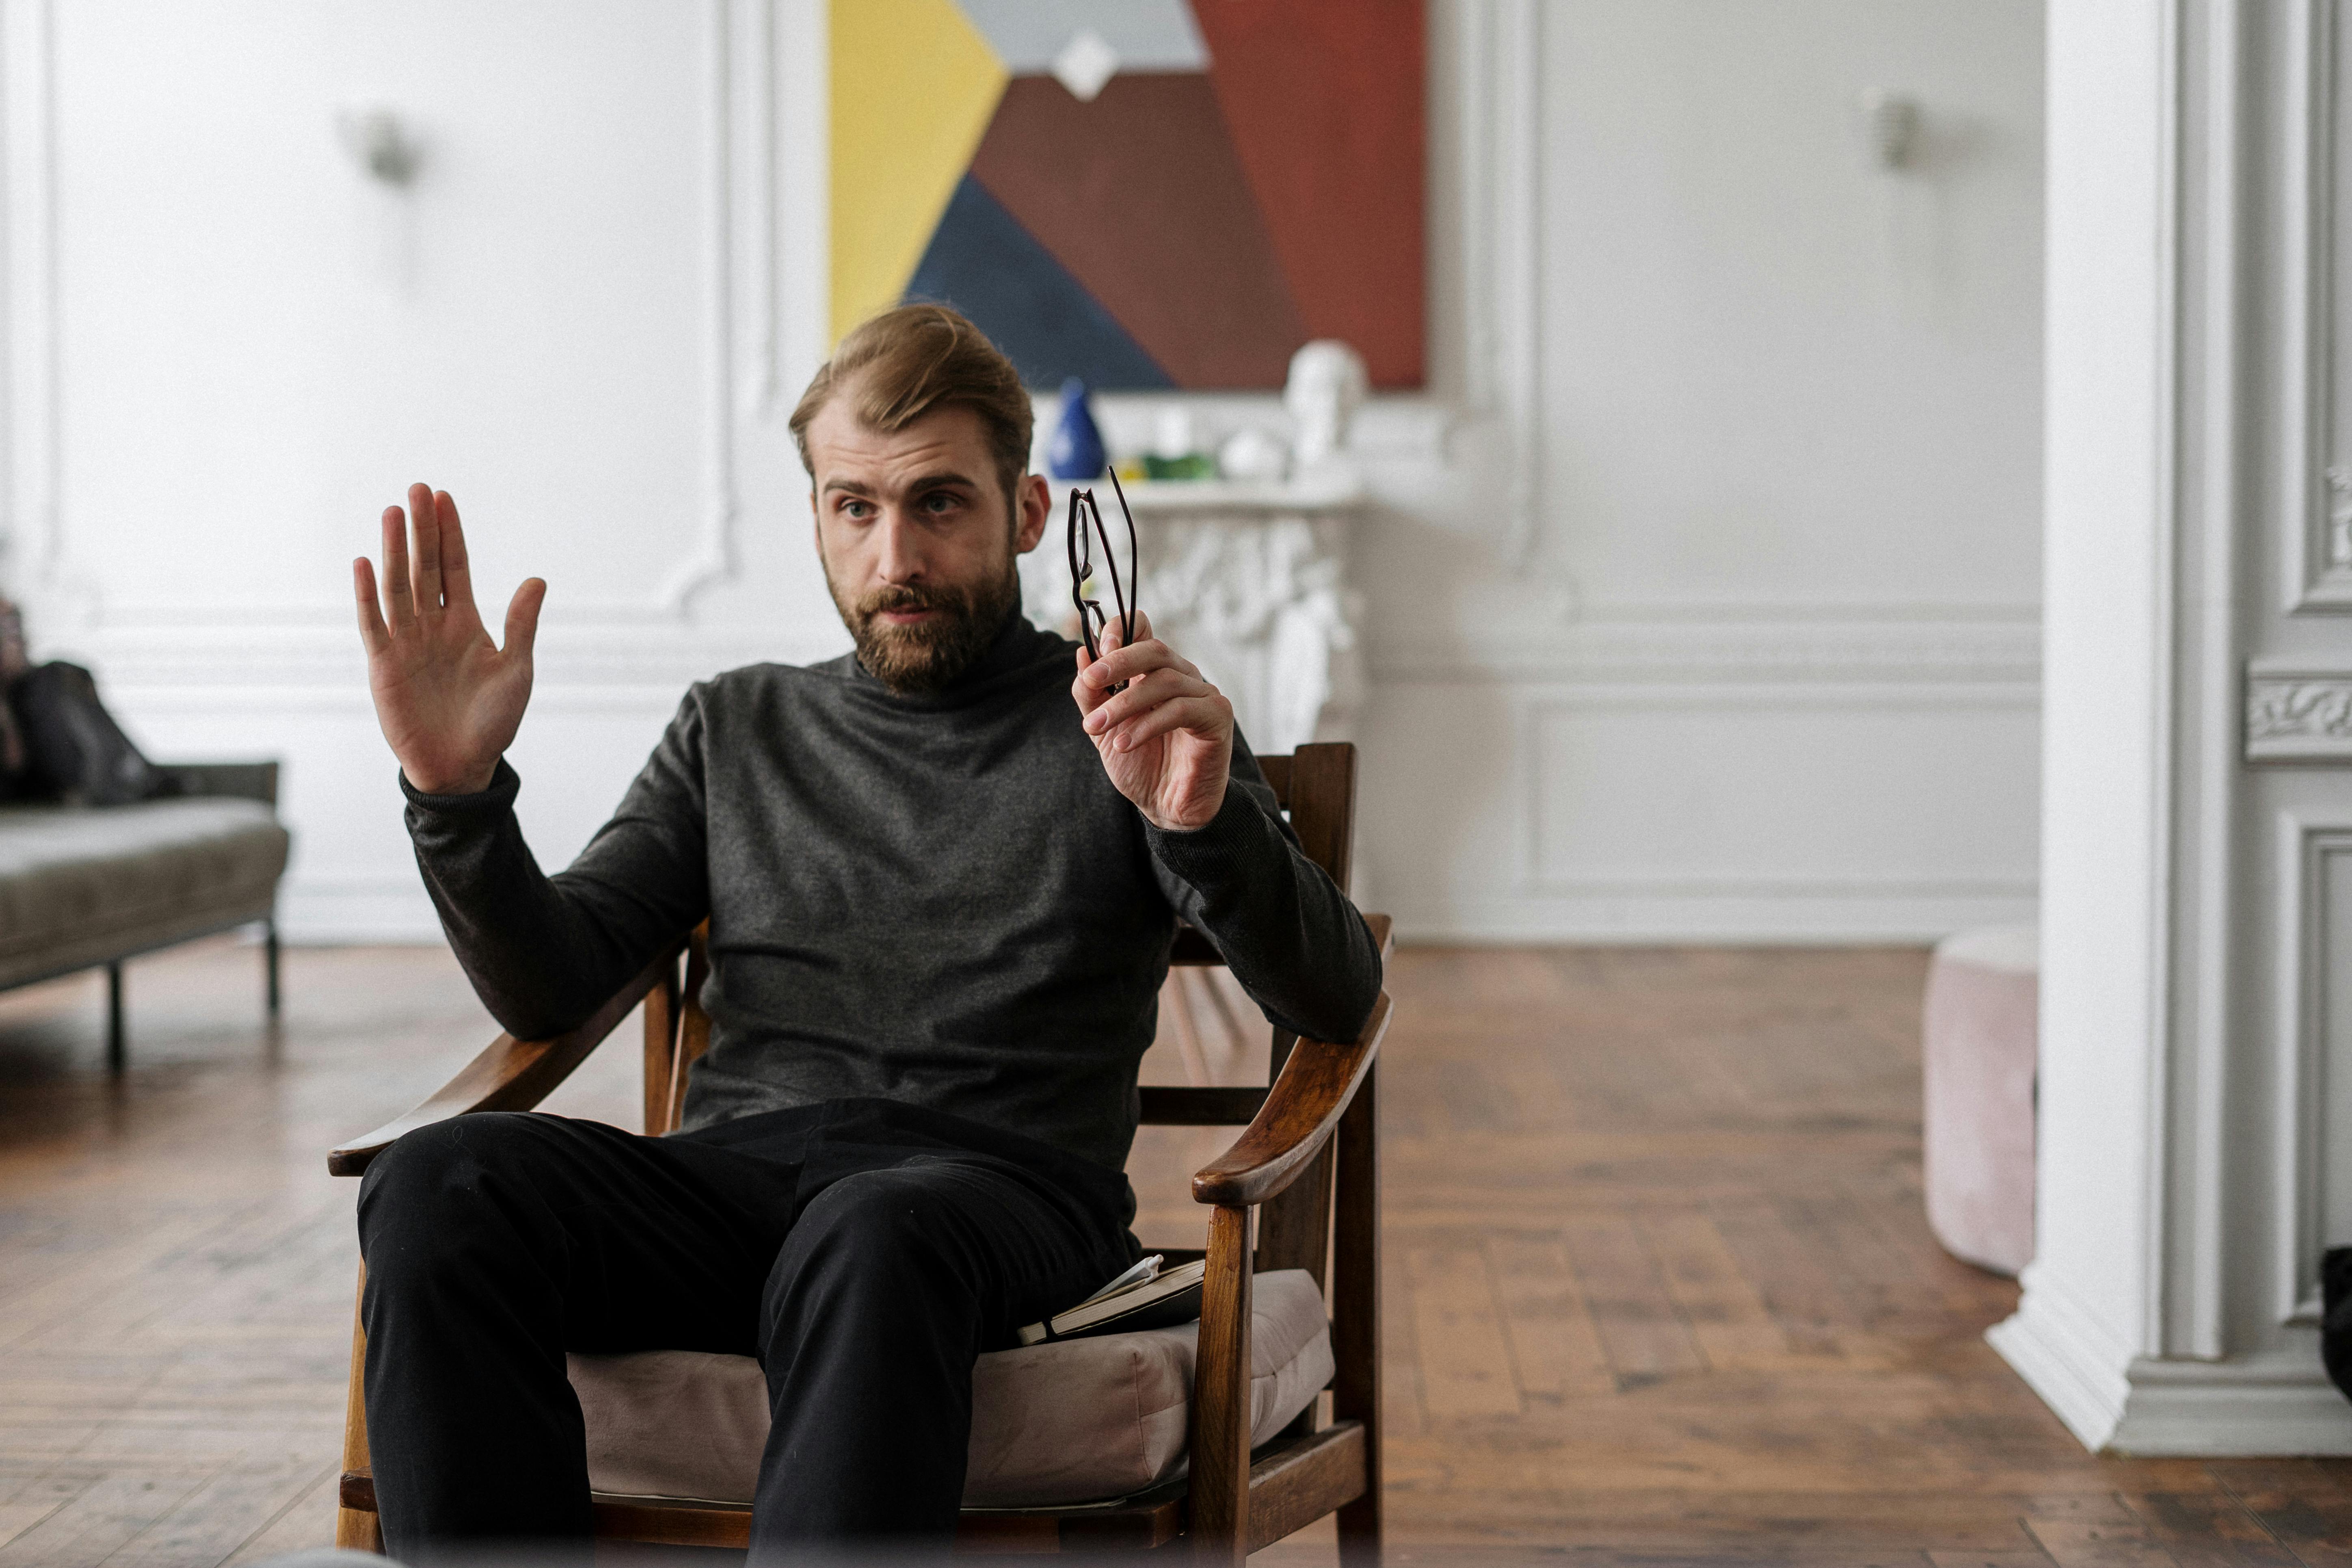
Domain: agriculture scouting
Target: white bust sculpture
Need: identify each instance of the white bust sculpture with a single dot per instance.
(1327, 386)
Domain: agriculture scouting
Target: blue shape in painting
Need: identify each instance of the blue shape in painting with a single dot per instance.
(1075, 452)
(982, 262)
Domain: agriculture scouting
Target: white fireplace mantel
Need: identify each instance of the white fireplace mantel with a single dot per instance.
(1247, 581)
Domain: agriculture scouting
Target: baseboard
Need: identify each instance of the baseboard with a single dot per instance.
(2276, 1404)
(1767, 916)
(2268, 1407)
(2066, 1356)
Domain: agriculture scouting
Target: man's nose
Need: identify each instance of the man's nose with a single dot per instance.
(898, 548)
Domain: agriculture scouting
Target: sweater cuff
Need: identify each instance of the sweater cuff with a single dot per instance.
(497, 796)
(1218, 851)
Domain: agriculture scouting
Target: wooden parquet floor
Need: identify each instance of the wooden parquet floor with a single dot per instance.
(1659, 1289)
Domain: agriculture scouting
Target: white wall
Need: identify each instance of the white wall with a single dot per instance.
(1740, 637)
(1702, 588)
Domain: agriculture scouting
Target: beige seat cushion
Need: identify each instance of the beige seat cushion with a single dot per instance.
(79, 885)
(1075, 1421)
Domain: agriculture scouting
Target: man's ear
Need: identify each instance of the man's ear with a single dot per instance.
(1036, 503)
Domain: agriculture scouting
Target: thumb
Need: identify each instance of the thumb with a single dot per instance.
(523, 615)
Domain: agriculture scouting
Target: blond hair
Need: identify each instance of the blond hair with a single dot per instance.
(901, 365)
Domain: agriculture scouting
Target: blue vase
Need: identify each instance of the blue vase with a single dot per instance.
(1075, 452)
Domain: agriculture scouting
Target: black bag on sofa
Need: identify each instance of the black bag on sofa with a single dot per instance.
(74, 748)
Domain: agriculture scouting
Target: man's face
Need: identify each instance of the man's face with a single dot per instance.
(917, 539)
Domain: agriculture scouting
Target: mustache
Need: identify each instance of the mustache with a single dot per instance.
(903, 596)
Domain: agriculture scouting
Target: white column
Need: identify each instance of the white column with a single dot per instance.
(2186, 1182)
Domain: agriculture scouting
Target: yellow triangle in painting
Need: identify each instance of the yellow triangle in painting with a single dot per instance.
(914, 85)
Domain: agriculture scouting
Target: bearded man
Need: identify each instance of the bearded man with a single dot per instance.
(942, 875)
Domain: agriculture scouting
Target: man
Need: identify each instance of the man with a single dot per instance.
(942, 876)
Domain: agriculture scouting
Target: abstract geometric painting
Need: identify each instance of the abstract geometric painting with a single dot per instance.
(1148, 193)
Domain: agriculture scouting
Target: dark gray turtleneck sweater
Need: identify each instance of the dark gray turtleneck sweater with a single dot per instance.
(939, 900)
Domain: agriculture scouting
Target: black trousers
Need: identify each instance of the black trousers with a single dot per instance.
(864, 1251)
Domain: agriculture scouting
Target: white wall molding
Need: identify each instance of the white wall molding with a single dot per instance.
(1539, 710)
(2250, 1406)
(1827, 643)
(2068, 1354)
(28, 414)
(1503, 54)
(2314, 478)
(2310, 853)
(2298, 717)
(2113, 1402)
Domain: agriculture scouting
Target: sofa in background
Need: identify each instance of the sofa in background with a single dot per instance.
(83, 886)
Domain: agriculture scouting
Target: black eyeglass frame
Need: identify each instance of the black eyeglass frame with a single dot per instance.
(1085, 524)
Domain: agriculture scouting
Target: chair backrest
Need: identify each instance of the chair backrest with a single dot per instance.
(1316, 786)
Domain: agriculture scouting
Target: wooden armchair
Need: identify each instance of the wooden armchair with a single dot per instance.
(1298, 1189)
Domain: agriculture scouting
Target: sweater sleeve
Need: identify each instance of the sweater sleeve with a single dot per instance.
(543, 952)
(1286, 932)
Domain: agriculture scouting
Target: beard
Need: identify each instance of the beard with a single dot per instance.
(921, 659)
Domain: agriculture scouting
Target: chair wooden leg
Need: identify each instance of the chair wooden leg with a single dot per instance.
(1356, 1318)
(1219, 1525)
(269, 963)
(357, 1529)
(115, 1051)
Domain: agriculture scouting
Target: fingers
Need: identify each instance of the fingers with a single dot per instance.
(424, 523)
(1089, 696)
(457, 575)
(1211, 716)
(1144, 696)
(373, 634)
(1118, 664)
(522, 617)
(399, 598)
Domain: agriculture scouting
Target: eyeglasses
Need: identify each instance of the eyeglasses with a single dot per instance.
(1085, 526)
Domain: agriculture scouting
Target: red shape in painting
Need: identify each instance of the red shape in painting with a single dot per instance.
(1324, 100)
(1139, 196)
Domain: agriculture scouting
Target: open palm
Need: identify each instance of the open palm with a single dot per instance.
(449, 699)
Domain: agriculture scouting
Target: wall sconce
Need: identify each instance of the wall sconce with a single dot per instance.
(1890, 127)
(383, 150)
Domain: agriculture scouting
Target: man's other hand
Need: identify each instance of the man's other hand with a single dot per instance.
(1166, 742)
(449, 699)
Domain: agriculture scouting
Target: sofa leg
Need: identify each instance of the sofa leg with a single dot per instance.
(114, 1051)
(270, 962)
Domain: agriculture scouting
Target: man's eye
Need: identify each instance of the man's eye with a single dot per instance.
(939, 502)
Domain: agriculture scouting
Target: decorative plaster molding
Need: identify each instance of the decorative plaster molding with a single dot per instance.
(2315, 488)
(2247, 1407)
(2298, 718)
(765, 384)
(1502, 55)
(1840, 645)
(2067, 1355)
(2309, 855)
(2115, 1402)
(1526, 795)
(1255, 593)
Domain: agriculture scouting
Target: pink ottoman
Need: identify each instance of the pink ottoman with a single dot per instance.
(1978, 1045)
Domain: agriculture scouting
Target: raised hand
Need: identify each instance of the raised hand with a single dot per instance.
(1166, 742)
(449, 699)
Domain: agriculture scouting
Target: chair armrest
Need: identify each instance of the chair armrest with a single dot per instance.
(1300, 1111)
(246, 781)
(510, 1074)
